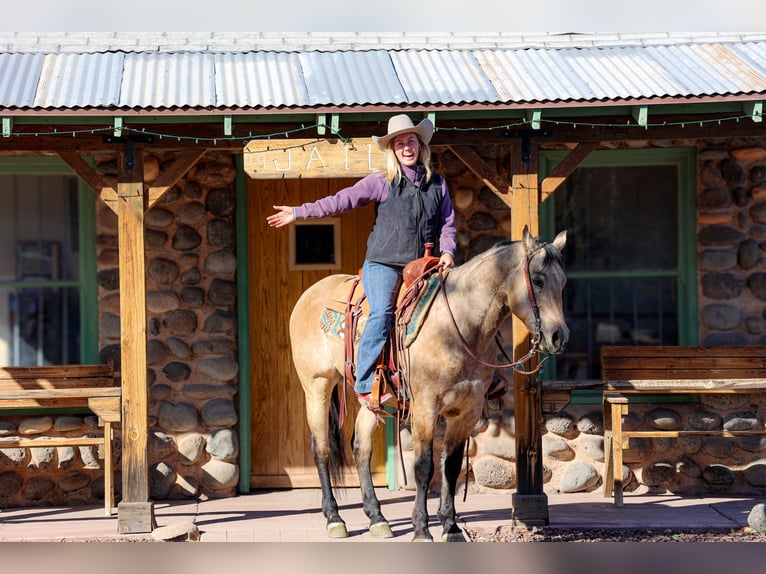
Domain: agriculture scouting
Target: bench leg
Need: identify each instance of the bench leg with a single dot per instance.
(108, 470)
(608, 464)
(617, 441)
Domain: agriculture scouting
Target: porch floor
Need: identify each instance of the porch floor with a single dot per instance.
(295, 516)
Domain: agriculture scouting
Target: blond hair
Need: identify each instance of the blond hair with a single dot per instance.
(394, 170)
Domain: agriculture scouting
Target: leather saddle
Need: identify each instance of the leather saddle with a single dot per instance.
(347, 310)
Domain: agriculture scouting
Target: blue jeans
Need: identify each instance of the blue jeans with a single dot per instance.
(381, 285)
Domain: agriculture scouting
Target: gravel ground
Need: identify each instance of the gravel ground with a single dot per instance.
(512, 534)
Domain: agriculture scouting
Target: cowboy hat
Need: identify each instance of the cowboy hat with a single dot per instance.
(402, 124)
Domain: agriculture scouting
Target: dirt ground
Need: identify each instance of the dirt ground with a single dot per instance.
(513, 534)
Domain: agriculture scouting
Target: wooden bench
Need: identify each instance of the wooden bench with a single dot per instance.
(666, 370)
(48, 387)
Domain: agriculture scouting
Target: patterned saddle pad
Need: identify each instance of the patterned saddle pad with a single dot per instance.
(332, 321)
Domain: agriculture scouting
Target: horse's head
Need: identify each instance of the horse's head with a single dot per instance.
(543, 285)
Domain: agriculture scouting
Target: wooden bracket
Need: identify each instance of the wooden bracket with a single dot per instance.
(498, 184)
(168, 178)
(94, 180)
(565, 167)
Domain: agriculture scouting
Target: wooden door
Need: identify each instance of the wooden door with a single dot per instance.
(280, 449)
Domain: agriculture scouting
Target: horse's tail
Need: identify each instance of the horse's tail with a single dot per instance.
(337, 441)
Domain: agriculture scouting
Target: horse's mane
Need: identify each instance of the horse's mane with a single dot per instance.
(552, 255)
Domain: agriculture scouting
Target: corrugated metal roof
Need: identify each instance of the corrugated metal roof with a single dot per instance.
(351, 78)
(443, 77)
(160, 80)
(259, 79)
(81, 80)
(539, 77)
(19, 77)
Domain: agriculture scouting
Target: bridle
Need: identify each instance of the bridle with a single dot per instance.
(536, 335)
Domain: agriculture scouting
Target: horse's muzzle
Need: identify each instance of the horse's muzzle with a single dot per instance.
(554, 343)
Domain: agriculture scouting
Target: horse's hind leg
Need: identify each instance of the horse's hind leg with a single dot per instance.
(363, 429)
(452, 461)
(327, 449)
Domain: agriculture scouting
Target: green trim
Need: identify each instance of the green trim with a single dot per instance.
(87, 201)
(243, 330)
(391, 452)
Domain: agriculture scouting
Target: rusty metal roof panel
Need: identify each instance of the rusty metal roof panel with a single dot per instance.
(633, 72)
(19, 75)
(351, 78)
(168, 80)
(80, 80)
(268, 79)
(442, 77)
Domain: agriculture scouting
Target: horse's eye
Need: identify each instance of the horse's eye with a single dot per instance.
(538, 280)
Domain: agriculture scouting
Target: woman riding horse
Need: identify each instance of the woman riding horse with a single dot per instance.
(413, 209)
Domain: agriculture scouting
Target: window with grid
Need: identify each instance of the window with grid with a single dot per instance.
(629, 217)
(47, 302)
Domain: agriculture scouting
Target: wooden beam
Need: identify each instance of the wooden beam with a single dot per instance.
(135, 511)
(90, 176)
(530, 504)
(565, 167)
(170, 176)
(498, 184)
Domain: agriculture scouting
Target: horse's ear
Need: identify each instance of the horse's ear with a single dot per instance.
(561, 240)
(530, 244)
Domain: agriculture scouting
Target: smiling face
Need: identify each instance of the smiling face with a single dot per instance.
(406, 148)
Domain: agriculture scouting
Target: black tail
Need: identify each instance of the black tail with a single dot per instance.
(337, 441)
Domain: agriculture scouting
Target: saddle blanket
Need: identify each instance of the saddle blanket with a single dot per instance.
(332, 321)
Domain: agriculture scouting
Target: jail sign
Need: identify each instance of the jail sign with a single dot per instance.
(311, 158)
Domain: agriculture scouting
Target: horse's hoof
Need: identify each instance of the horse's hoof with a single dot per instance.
(381, 530)
(423, 538)
(337, 530)
(453, 537)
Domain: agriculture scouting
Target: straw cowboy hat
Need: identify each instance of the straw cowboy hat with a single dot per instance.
(402, 124)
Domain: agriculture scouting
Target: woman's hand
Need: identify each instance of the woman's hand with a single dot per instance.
(283, 216)
(446, 261)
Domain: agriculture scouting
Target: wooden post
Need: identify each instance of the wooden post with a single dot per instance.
(135, 513)
(530, 503)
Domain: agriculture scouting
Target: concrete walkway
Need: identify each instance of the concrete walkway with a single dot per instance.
(295, 516)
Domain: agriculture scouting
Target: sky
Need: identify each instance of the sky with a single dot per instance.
(388, 16)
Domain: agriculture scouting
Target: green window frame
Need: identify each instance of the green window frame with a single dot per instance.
(87, 282)
(684, 160)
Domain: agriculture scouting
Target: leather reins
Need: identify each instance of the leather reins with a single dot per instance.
(535, 342)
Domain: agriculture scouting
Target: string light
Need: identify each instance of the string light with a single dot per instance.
(336, 132)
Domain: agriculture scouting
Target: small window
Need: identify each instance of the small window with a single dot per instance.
(315, 244)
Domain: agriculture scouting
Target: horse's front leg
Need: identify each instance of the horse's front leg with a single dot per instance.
(423, 440)
(452, 460)
(363, 429)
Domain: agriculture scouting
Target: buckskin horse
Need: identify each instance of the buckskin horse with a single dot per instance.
(450, 370)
